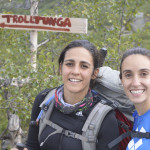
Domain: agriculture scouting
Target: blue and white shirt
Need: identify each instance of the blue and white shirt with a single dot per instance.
(142, 124)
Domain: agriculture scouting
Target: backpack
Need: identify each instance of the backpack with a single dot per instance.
(91, 126)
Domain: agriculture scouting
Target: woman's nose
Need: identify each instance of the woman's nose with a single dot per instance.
(76, 70)
(136, 81)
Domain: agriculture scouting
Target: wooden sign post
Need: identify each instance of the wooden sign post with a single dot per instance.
(55, 24)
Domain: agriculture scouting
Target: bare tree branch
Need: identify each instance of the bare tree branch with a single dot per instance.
(42, 43)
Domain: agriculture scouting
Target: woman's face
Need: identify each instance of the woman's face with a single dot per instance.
(136, 79)
(77, 70)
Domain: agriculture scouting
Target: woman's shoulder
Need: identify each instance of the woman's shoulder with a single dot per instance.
(41, 96)
(110, 117)
(38, 100)
(105, 109)
(43, 93)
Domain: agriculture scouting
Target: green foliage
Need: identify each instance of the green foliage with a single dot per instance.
(106, 21)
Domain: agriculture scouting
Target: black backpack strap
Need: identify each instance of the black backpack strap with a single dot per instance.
(135, 134)
(118, 139)
(123, 125)
(140, 134)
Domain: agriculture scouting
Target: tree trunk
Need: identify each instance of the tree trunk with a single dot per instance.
(33, 35)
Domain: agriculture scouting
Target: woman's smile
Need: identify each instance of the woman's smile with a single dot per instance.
(74, 80)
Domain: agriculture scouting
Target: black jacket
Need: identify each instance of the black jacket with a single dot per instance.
(72, 122)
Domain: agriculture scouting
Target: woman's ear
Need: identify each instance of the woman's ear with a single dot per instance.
(95, 73)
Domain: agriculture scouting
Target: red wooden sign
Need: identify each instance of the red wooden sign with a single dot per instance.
(56, 24)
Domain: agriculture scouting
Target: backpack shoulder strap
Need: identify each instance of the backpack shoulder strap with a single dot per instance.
(48, 96)
(136, 134)
(48, 103)
(93, 124)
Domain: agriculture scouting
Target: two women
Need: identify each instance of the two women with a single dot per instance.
(135, 77)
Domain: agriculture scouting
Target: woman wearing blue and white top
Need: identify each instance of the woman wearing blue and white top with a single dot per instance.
(135, 77)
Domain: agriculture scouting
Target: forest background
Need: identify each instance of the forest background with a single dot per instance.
(115, 24)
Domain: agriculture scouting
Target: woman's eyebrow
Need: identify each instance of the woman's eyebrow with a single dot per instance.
(71, 60)
(144, 69)
(126, 71)
(85, 62)
(68, 60)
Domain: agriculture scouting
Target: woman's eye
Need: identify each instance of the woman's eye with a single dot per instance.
(144, 74)
(128, 75)
(84, 66)
(69, 64)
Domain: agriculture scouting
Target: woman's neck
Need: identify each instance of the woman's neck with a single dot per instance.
(73, 98)
(142, 108)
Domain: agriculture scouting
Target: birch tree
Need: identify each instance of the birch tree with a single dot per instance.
(33, 35)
